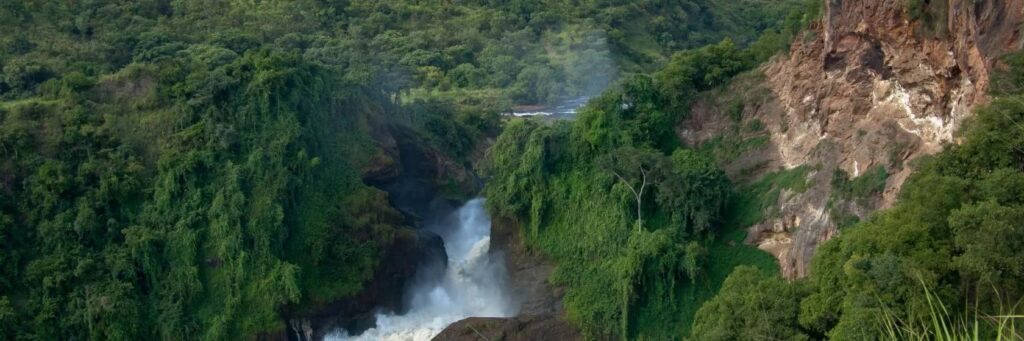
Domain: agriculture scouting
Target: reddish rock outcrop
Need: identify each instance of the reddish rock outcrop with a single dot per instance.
(865, 87)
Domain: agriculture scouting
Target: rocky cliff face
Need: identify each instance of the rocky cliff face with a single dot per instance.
(420, 180)
(874, 84)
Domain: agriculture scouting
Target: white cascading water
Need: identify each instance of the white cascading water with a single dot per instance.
(473, 286)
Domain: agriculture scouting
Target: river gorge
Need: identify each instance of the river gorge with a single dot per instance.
(452, 270)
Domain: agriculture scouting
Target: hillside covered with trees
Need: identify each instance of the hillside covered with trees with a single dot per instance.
(630, 214)
(195, 169)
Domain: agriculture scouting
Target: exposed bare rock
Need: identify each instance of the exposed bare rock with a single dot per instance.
(866, 87)
(528, 271)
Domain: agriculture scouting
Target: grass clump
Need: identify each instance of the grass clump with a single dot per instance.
(943, 325)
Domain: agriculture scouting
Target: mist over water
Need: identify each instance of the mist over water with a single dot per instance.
(472, 285)
(587, 70)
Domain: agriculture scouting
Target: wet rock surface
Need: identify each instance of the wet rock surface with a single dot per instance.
(519, 328)
(420, 180)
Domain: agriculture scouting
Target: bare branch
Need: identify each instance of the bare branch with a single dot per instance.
(643, 184)
(631, 189)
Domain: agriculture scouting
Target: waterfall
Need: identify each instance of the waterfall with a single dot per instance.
(473, 285)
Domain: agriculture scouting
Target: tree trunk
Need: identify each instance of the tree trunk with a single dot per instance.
(639, 214)
(639, 195)
(640, 202)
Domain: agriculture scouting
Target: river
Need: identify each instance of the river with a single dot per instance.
(473, 284)
(565, 109)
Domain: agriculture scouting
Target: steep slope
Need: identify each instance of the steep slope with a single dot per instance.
(875, 85)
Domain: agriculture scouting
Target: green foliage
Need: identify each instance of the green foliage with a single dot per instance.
(740, 137)
(575, 189)
(932, 15)
(696, 177)
(1009, 83)
(542, 50)
(916, 8)
(657, 318)
(869, 184)
(632, 114)
(190, 194)
(639, 170)
(758, 200)
(751, 306)
(944, 326)
(728, 148)
(749, 204)
(692, 71)
(207, 236)
(450, 128)
(185, 169)
(858, 192)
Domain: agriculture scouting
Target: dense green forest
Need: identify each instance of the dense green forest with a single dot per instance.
(186, 169)
(181, 169)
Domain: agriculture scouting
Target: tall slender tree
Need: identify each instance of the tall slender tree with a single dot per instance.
(639, 170)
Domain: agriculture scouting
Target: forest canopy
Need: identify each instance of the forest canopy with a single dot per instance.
(183, 169)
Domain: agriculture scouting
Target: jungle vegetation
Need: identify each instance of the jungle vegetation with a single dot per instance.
(185, 169)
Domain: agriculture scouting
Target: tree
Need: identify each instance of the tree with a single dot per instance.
(989, 236)
(751, 306)
(697, 70)
(638, 169)
(697, 192)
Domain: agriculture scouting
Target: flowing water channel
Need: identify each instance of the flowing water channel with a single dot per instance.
(563, 110)
(472, 285)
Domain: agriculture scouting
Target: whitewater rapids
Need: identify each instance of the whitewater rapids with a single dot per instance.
(473, 285)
